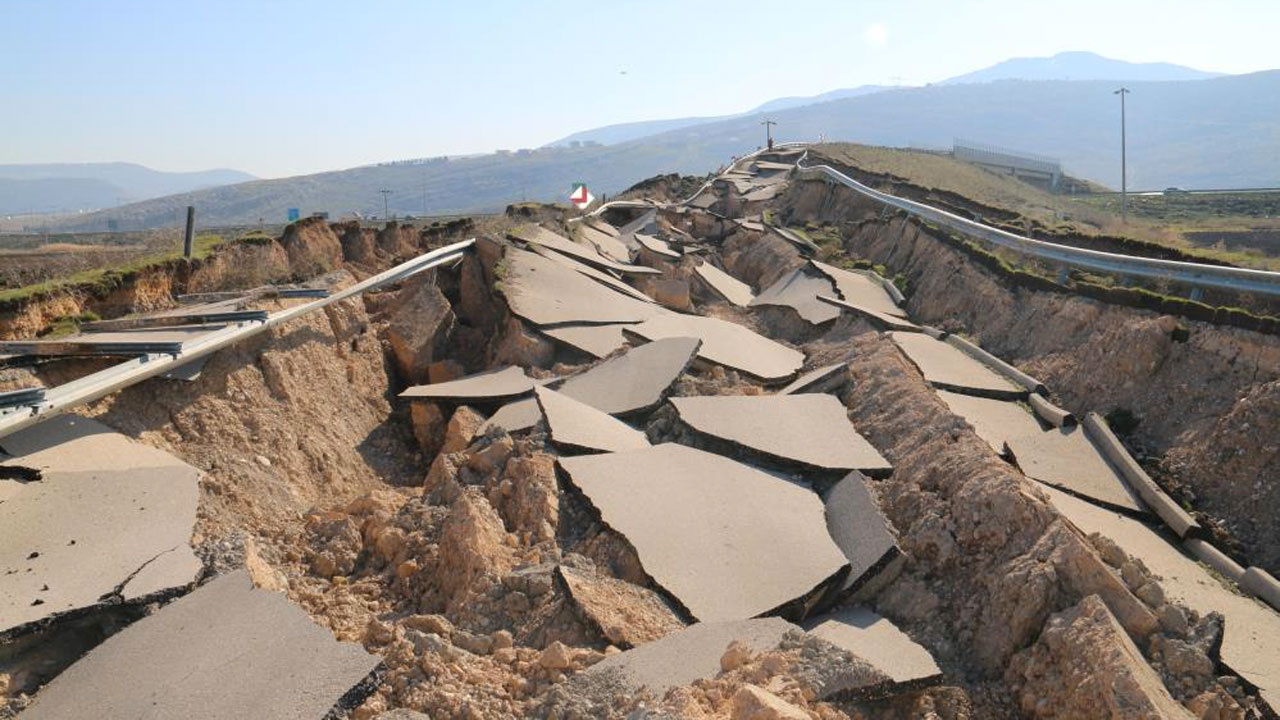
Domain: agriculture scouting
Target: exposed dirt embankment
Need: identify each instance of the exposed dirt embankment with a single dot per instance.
(307, 248)
(1204, 399)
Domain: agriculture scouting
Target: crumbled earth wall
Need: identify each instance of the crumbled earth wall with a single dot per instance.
(1206, 397)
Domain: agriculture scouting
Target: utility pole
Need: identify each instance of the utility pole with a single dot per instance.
(768, 131)
(188, 239)
(1124, 170)
(386, 215)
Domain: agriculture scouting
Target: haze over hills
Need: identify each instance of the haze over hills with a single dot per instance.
(1218, 132)
(1063, 66)
(65, 187)
(1080, 66)
(622, 132)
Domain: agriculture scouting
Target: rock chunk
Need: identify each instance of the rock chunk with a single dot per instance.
(1085, 665)
(627, 615)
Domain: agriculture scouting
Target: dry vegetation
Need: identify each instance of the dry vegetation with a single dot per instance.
(1167, 220)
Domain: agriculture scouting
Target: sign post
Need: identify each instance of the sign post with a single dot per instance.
(581, 197)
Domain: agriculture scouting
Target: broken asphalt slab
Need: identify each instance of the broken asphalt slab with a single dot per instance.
(657, 246)
(800, 291)
(995, 421)
(688, 655)
(547, 292)
(227, 650)
(879, 319)
(946, 367)
(577, 426)
(879, 642)
(79, 537)
(727, 344)
(860, 289)
(862, 533)
(1068, 460)
(811, 430)
(725, 285)
(597, 340)
(599, 276)
(634, 381)
(822, 379)
(535, 234)
(727, 541)
(514, 416)
(488, 387)
(606, 243)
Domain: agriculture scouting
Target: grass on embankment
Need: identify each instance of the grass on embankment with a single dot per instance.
(1165, 220)
(106, 278)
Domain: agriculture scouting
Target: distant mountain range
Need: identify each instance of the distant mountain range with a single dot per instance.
(1080, 66)
(1195, 133)
(614, 134)
(68, 187)
(1063, 66)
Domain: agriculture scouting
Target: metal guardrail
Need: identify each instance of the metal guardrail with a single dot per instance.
(62, 398)
(1191, 274)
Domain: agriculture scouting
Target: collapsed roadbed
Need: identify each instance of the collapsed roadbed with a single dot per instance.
(659, 458)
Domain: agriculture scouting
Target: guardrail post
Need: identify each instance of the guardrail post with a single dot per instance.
(1063, 275)
(1197, 294)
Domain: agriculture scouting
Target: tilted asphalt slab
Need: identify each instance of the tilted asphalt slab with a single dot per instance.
(227, 650)
(799, 291)
(493, 386)
(108, 520)
(1068, 459)
(727, 344)
(946, 367)
(729, 542)
(809, 429)
(577, 426)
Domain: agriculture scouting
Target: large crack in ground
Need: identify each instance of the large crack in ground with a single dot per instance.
(489, 584)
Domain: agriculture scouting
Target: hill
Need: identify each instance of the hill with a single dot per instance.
(1073, 65)
(1221, 132)
(623, 132)
(1080, 66)
(65, 187)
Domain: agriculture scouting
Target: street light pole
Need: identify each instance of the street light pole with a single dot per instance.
(768, 131)
(385, 214)
(1124, 170)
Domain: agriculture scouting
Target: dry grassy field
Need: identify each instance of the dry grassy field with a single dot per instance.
(1237, 228)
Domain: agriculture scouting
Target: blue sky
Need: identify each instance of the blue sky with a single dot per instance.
(283, 88)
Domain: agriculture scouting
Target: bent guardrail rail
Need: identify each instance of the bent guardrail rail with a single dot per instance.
(62, 398)
(1192, 274)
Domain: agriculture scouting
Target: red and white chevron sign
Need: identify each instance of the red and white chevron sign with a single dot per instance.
(581, 196)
